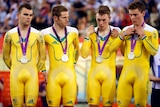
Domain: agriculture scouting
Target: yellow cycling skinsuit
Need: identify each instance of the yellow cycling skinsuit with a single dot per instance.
(134, 76)
(24, 77)
(61, 74)
(101, 76)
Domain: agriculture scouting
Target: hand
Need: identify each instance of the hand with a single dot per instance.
(128, 31)
(140, 31)
(45, 74)
(114, 33)
(89, 30)
(44, 93)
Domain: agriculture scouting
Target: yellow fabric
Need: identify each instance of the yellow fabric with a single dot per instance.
(24, 77)
(101, 76)
(61, 75)
(134, 78)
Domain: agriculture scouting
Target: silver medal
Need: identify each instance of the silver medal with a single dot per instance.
(64, 58)
(131, 55)
(24, 59)
(99, 59)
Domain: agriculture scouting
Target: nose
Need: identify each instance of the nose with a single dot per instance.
(101, 22)
(67, 19)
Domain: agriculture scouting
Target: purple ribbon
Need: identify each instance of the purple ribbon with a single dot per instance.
(23, 46)
(133, 43)
(99, 48)
(65, 30)
(133, 40)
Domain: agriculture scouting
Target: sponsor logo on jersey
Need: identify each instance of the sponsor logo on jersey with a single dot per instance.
(69, 102)
(31, 101)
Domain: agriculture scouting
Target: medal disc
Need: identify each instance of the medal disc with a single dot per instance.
(131, 55)
(64, 58)
(99, 59)
(24, 59)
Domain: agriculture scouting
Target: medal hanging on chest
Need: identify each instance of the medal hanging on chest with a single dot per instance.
(99, 58)
(64, 48)
(23, 45)
(134, 38)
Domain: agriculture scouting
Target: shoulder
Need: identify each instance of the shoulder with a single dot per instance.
(33, 30)
(72, 29)
(116, 28)
(149, 28)
(13, 30)
(46, 31)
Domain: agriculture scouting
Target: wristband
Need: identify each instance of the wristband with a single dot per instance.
(43, 70)
(121, 37)
(144, 37)
(86, 38)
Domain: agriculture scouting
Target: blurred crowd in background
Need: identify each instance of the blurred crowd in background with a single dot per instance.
(82, 13)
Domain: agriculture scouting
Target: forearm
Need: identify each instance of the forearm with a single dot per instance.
(153, 78)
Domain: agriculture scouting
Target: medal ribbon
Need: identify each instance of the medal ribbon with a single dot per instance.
(23, 47)
(133, 43)
(133, 40)
(63, 48)
(99, 48)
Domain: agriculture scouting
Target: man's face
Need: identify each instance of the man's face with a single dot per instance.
(63, 19)
(25, 16)
(102, 21)
(137, 17)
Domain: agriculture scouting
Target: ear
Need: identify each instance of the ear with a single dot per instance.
(55, 17)
(17, 15)
(144, 13)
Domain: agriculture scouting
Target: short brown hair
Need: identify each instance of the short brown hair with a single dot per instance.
(103, 10)
(56, 10)
(137, 5)
(24, 5)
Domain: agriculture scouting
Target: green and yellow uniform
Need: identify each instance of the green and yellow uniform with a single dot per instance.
(24, 76)
(134, 78)
(61, 75)
(101, 76)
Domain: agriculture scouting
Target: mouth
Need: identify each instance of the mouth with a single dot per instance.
(133, 21)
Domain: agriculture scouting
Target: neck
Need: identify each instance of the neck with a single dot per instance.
(140, 24)
(104, 32)
(23, 27)
(58, 28)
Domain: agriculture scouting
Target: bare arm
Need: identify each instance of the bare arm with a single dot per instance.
(153, 78)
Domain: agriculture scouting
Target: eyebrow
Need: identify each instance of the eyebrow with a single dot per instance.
(28, 14)
(101, 19)
(133, 14)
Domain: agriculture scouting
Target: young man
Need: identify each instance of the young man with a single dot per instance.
(63, 45)
(155, 78)
(102, 75)
(24, 54)
(138, 42)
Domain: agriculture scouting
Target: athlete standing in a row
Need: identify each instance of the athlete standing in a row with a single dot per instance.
(138, 41)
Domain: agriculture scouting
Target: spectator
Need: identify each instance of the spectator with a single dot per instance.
(155, 78)
(42, 93)
(1, 88)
